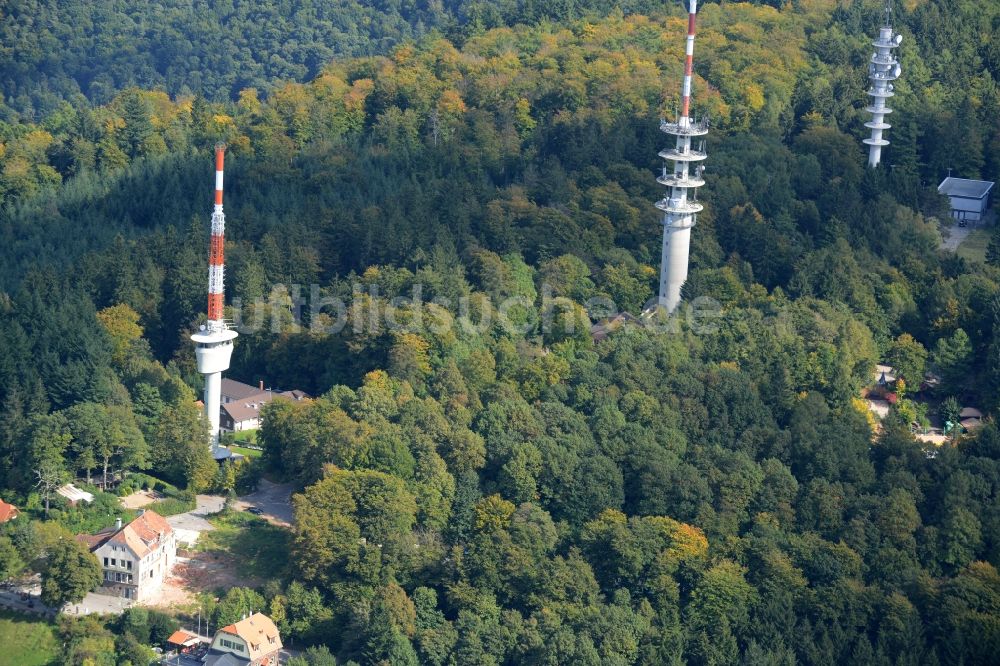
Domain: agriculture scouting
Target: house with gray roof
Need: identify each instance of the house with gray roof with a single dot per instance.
(969, 198)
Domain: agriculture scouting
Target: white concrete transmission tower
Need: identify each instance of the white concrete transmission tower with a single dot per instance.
(883, 69)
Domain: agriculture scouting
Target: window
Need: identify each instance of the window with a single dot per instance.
(113, 562)
(128, 565)
(105, 561)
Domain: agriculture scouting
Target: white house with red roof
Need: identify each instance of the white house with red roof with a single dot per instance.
(135, 558)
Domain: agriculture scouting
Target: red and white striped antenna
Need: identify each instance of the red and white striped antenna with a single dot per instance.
(216, 254)
(214, 341)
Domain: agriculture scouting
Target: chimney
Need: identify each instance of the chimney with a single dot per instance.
(262, 385)
(118, 523)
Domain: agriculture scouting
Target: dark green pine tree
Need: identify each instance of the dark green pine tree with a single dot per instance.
(971, 160)
(993, 249)
(138, 125)
(904, 162)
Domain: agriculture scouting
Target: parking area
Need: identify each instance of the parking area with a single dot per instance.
(188, 526)
(25, 598)
(956, 235)
(274, 501)
(101, 604)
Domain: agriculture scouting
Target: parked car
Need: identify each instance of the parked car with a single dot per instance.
(255, 510)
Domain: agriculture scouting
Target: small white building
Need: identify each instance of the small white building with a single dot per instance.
(136, 558)
(74, 494)
(969, 198)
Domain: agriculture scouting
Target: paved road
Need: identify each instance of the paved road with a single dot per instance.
(956, 236)
(98, 603)
(274, 499)
(189, 525)
(11, 599)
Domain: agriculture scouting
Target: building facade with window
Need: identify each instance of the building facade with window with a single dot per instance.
(253, 641)
(135, 558)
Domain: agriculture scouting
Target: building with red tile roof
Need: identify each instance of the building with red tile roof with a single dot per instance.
(8, 512)
(253, 641)
(135, 558)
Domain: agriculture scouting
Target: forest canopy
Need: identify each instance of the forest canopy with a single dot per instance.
(702, 492)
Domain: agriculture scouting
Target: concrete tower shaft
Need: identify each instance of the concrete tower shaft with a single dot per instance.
(682, 178)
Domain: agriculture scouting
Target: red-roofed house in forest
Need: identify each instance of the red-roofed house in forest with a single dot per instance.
(8, 512)
(253, 641)
(135, 558)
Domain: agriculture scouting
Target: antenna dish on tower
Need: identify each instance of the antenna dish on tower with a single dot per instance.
(883, 69)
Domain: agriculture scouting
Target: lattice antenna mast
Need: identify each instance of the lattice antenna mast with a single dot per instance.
(680, 207)
(883, 69)
(214, 342)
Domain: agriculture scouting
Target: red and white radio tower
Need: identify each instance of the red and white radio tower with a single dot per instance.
(680, 207)
(214, 341)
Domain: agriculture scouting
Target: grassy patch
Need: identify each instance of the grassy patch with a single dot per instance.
(174, 502)
(26, 642)
(171, 506)
(139, 480)
(248, 436)
(259, 548)
(90, 517)
(973, 248)
(249, 453)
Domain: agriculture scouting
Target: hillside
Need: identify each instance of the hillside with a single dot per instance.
(422, 236)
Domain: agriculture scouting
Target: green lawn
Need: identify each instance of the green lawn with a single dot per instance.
(26, 642)
(259, 548)
(249, 453)
(248, 436)
(973, 248)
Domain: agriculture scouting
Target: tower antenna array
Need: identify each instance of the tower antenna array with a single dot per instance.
(883, 69)
(214, 341)
(680, 207)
